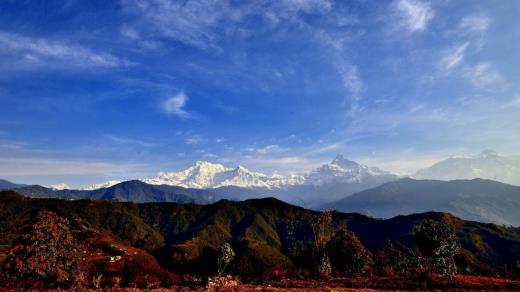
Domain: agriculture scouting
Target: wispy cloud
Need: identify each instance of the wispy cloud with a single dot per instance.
(484, 75)
(475, 26)
(175, 105)
(54, 167)
(128, 141)
(513, 103)
(203, 24)
(269, 149)
(454, 56)
(25, 52)
(352, 81)
(195, 140)
(477, 23)
(414, 15)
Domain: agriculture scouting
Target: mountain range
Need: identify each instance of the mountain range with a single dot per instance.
(128, 191)
(478, 199)
(7, 185)
(206, 175)
(341, 184)
(337, 179)
(487, 165)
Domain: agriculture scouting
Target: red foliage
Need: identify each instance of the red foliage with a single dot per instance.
(46, 255)
(277, 273)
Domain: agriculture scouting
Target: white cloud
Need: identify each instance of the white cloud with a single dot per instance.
(267, 149)
(128, 141)
(454, 56)
(514, 103)
(283, 164)
(30, 53)
(352, 81)
(325, 149)
(484, 75)
(407, 161)
(10, 146)
(175, 105)
(195, 140)
(477, 23)
(210, 155)
(54, 167)
(414, 14)
(475, 26)
(203, 24)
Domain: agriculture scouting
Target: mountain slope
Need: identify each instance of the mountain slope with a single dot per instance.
(134, 191)
(185, 237)
(487, 165)
(205, 175)
(477, 199)
(7, 185)
(342, 170)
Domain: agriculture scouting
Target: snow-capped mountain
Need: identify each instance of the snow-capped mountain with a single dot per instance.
(488, 165)
(207, 175)
(59, 187)
(204, 175)
(342, 170)
(106, 184)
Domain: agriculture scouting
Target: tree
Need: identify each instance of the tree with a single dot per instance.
(349, 256)
(225, 256)
(322, 229)
(324, 267)
(395, 259)
(437, 241)
(47, 252)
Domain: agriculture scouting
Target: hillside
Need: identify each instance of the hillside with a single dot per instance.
(477, 199)
(128, 191)
(266, 234)
(7, 185)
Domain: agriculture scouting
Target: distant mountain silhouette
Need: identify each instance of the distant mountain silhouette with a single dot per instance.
(128, 191)
(487, 165)
(477, 199)
(7, 185)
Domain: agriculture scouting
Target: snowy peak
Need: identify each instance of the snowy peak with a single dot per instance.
(59, 187)
(342, 170)
(204, 175)
(488, 154)
(344, 163)
(102, 185)
(201, 175)
(488, 165)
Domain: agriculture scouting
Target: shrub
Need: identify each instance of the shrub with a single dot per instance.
(47, 253)
(349, 256)
(324, 267)
(395, 259)
(437, 241)
(225, 256)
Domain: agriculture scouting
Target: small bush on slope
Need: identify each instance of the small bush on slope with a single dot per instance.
(348, 255)
(437, 241)
(47, 253)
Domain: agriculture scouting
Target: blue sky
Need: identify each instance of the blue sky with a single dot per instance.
(91, 90)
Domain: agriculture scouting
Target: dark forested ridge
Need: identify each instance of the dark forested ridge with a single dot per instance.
(128, 191)
(268, 236)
